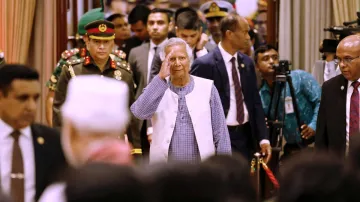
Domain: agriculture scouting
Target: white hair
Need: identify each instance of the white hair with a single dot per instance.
(172, 42)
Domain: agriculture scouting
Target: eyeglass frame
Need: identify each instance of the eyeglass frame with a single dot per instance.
(346, 60)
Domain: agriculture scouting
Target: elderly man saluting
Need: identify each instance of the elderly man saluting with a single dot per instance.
(186, 112)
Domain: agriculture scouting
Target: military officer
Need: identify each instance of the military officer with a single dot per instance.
(214, 11)
(72, 54)
(2, 59)
(99, 39)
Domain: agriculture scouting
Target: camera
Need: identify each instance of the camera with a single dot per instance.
(347, 29)
(282, 68)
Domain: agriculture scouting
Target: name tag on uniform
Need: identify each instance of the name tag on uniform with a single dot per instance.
(289, 108)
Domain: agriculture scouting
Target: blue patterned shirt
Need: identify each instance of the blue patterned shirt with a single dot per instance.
(307, 93)
(183, 145)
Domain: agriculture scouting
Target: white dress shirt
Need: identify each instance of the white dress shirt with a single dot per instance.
(201, 52)
(151, 56)
(349, 92)
(231, 116)
(27, 150)
(330, 70)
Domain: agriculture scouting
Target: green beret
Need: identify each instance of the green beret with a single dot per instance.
(90, 16)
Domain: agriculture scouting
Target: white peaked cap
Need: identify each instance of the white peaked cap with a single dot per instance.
(97, 104)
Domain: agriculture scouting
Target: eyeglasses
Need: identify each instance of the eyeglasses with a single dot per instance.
(346, 60)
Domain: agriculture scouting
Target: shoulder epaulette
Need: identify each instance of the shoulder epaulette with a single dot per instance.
(123, 65)
(70, 63)
(75, 61)
(119, 53)
(69, 53)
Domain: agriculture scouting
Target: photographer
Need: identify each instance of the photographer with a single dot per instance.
(307, 93)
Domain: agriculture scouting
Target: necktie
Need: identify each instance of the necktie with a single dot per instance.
(238, 93)
(155, 48)
(17, 170)
(354, 109)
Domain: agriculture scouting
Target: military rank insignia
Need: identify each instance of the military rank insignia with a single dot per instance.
(121, 54)
(83, 52)
(69, 53)
(87, 60)
(214, 8)
(102, 28)
(53, 79)
(117, 75)
(113, 64)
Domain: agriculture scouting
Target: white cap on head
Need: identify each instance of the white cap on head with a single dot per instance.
(216, 8)
(97, 104)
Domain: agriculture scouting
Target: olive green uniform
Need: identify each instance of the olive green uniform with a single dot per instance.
(71, 54)
(116, 68)
(74, 54)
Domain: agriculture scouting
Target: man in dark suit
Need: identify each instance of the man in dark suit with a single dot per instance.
(233, 74)
(338, 117)
(30, 154)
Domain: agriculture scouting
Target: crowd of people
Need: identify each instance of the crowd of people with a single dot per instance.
(151, 107)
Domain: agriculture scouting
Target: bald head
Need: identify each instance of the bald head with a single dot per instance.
(348, 53)
(232, 22)
(235, 32)
(351, 42)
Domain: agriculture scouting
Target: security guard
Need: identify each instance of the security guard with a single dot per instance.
(99, 39)
(2, 59)
(214, 11)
